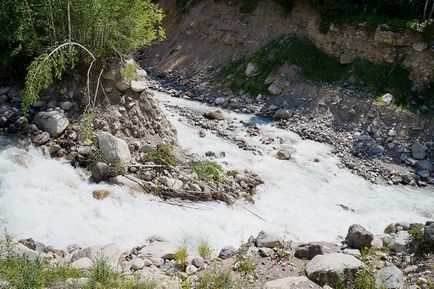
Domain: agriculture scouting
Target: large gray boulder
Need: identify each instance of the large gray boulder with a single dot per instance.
(293, 282)
(418, 151)
(330, 268)
(164, 250)
(429, 233)
(389, 278)
(54, 122)
(268, 240)
(358, 237)
(309, 250)
(227, 252)
(114, 149)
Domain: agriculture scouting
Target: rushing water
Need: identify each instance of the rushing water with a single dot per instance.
(48, 200)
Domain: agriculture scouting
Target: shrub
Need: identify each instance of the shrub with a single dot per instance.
(215, 278)
(128, 72)
(85, 125)
(244, 263)
(181, 256)
(204, 249)
(163, 155)
(208, 171)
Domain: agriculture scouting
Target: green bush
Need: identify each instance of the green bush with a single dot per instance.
(162, 155)
(214, 278)
(208, 171)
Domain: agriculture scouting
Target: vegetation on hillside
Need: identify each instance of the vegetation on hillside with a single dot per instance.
(315, 65)
(48, 38)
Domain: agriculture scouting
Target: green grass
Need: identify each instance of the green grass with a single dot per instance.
(128, 72)
(208, 171)
(162, 154)
(204, 250)
(22, 273)
(181, 256)
(214, 278)
(365, 279)
(244, 263)
(315, 65)
(85, 125)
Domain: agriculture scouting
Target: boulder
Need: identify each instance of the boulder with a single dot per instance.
(198, 262)
(100, 194)
(78, 283)
(137, 264)
(420, 46)
(387, 98)
(282, 114)
(173, 184)
(227, 252)
(251, 69)
(130, 182)
(424, 165)
(82, 264)
(122, 85)
(274, 89)
(268, 240)
(400, 241)
(309, 250)
(54, 122)
(358, 237)
(216, 114)
(330, 268)
(283, 154)
(293, 282)
(100, 171)
(165, 250)
(418, 151)
(389, 278)
(113, 148)
(41, 138)
(139, 85)
(429, 233)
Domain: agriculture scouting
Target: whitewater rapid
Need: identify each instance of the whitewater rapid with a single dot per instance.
(48, 200)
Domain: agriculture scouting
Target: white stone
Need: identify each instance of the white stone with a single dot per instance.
(139, 85)
(387, 98)
(251, 69)
(164, 250)
(296, 282)
(54, 122)
(82, 264)
(113, 148)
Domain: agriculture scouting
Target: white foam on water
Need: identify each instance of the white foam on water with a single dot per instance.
(48, 200)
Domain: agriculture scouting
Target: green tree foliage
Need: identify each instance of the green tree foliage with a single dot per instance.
(31, 29)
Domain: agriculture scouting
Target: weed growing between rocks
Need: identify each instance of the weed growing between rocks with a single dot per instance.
(128, 72)
(244, 263)
(204, 250)
(208, 171)
(163, 155)
(215, 278)
(85, 125)
(181, 256)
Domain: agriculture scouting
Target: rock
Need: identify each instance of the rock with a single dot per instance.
(139, 85)
(294, 282)
(274, 89)
(198, 262)
(345, 58)
(66, 105)
(284, 154)
(330, 268)
(424, 174)
(18, 249)
(424, 165)
(109, 75)
(227, 252)
(165, 250)
(85, 150)
(418, 151)
(387, 98)
(251, 69)
(100, 194)
(82, 264)
(400, 241)
(122, 85)
(173, 184)
(420, 46)
(137, 264)
(112, 253)
(130, 182)
(114, 149)
(352, 252)
(309, 250)
(389, 278)
(390, 229)
(202, 133)
(429, 233)
(100, 171)
(77, 283)
(54, 122)
(216, 114)
(41, 138)
(190, 269)
(358, 237)
(282, 114)
(268, 240)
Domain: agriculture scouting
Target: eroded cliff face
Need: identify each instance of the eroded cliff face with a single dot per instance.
(213, 33)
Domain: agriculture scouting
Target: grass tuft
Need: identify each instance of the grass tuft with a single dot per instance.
(204, 250)
(163, 155)
(208, 171)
